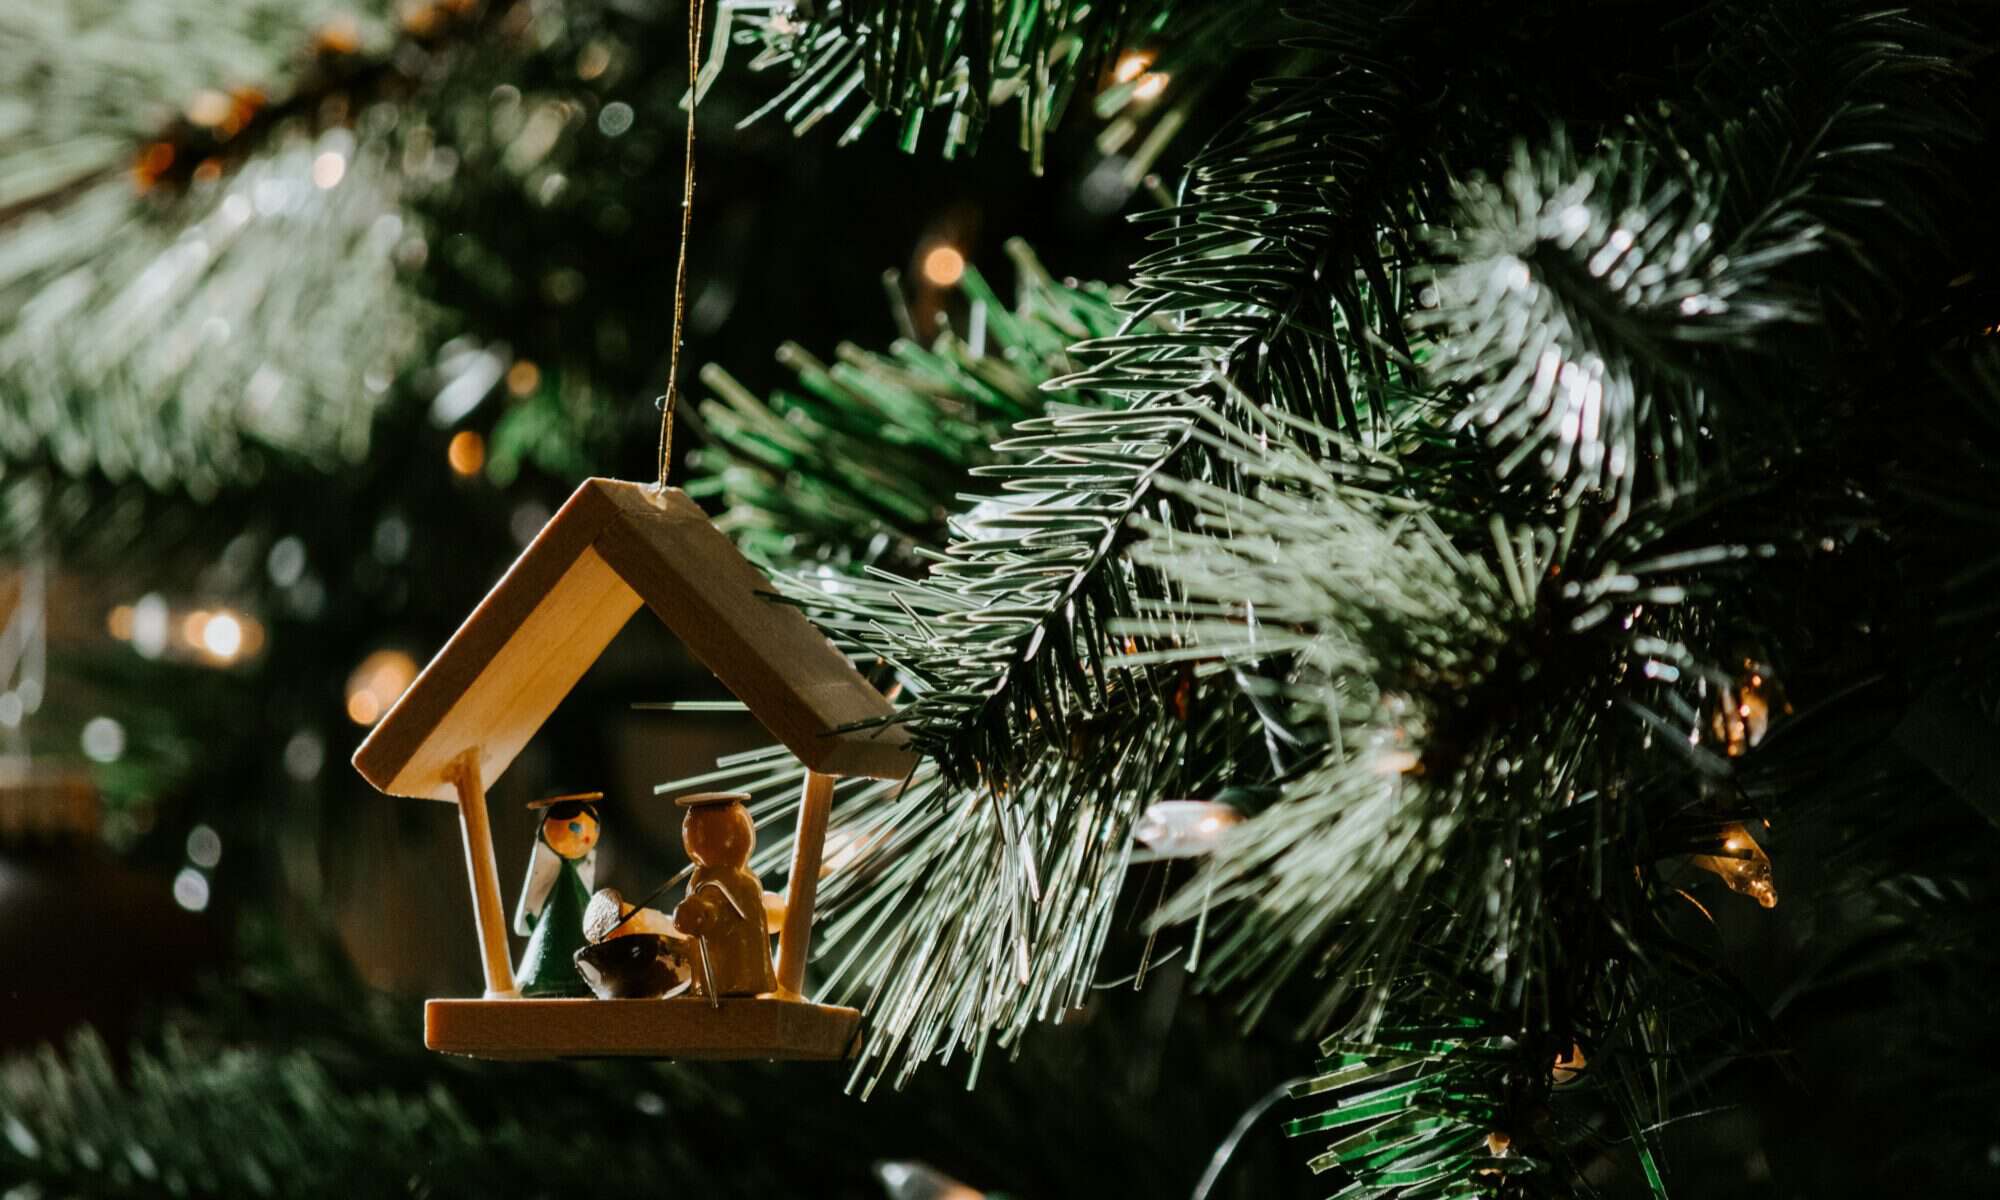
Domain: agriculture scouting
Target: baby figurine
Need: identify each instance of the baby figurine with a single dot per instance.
(727, 911)
(634, 952)
(611, 915)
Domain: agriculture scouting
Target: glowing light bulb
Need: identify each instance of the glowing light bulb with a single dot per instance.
(1131, 65)
(1743, 710)
(1134, 68)
(921, 1181)
(1744, 868)
(1397, 762)
(1568, 1066)
(1184, 828)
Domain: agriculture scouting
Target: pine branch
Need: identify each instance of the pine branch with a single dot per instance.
(1844, 116)
(866, 459)
(1453, 1096)
(1464, 683)
(1017, 685)
(1515, 753)
(1006, 865)
(1011, 647)
(1626, 317)
(1010, 858)
(262, 1125)
(296, 1080)
(960, 915)
(1012, 627)
(1589, 310)
(1278, 268)
(113, 81)
(210, 273)
(1421, 1112)
(173, 243)
(156, 392)
(910, 58)
(1010, 631)
(1502, 696)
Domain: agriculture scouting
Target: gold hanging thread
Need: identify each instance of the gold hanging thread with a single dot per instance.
(681, 267)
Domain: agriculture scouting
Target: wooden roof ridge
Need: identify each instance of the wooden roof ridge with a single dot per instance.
(613, 547)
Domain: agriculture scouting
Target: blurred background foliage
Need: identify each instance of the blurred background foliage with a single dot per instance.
(310, 314)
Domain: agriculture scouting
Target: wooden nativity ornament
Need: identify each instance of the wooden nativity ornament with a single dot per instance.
(613, 547)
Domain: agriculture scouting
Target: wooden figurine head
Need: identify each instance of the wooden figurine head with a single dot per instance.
(717, 830)
(569, 823)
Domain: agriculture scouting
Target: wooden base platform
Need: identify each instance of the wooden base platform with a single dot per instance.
(741, 1027)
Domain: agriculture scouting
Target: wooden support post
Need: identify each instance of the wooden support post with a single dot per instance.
(796, 938)
(494, 953)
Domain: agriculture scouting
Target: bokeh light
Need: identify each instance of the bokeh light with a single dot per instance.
(328, 169)
(103, 739)
(943, 265)
(466, 453)
(223, 635)
(305, 754)
(523, 377)
(1134, 68)
(204, 846)
(191, 889)
(150, 620)
(376, 684)
(1131, 65)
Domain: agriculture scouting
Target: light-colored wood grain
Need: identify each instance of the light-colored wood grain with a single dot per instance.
(764, 651)
(613, 546)
(495, 956)
(553, 640)
(761, 1027)
(795, 940)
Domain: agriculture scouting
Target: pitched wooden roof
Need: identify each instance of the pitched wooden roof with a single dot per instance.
(614, 546)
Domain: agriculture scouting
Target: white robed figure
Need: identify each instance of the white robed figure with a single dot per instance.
(561, 874)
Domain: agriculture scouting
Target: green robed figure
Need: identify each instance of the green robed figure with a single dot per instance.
(550, 912)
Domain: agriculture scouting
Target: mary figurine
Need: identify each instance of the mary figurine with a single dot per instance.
(550, 913)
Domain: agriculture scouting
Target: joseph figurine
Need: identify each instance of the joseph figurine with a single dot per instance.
(727, 911)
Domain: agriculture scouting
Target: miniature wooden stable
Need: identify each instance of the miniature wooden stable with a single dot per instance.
(613, 547)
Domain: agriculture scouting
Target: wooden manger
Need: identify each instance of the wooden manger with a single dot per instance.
(614, 547)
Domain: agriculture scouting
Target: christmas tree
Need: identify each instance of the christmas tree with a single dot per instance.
(1517, 502)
